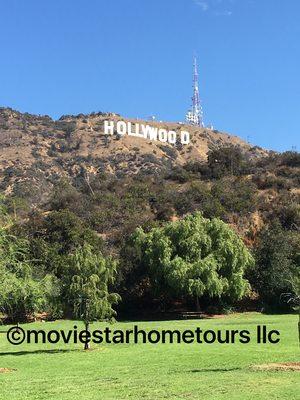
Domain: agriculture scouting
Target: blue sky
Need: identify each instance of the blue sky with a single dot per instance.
(134, 57)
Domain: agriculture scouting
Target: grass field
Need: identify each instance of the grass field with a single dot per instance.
(160, 371)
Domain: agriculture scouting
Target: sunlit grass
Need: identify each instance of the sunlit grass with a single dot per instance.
(160, 371)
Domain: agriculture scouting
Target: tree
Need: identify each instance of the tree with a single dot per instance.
(277, 263)
(91, 275)
(21, 292)
(66, 231)
(228, 160)
(195, 257)
(295, 297)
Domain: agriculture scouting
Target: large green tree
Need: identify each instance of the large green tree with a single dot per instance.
(91, 276)
(22, 292)
(195, 257)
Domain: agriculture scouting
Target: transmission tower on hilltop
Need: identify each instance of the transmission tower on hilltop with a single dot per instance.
(195, 115)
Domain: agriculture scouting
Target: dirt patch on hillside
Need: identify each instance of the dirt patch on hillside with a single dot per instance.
(4, 370)
(285, 366)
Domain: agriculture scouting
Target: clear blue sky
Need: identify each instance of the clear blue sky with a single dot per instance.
(134, 57)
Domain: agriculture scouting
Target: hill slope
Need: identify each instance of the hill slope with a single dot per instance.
(36, 151)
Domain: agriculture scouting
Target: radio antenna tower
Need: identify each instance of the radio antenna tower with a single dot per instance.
(195, 115)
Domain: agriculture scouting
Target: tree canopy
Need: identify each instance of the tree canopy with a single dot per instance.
(90, 277)
(195, 256)
(277, 264)
(22, 292)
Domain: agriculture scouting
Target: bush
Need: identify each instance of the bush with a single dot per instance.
(290, 158)
(237, 195)
(226, 161)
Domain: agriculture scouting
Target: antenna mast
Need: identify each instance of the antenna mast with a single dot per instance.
(195, 115)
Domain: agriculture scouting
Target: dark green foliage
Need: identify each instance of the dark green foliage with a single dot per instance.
(236, 195)
(67, 231)
(289, 216)
(64, 196)
(198, 197)
(226, 161)
(277, 262)
(179, 174)
(23, 290)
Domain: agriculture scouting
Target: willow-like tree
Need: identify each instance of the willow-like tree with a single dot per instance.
(89, 289)
(195, 257)
(22, 291)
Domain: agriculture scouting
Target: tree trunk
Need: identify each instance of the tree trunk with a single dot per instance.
(197, 304)
(87, 345)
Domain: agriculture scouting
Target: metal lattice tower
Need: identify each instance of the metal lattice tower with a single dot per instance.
(195, 115)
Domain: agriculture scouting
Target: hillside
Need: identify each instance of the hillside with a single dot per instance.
(36, 151)
(65, 184)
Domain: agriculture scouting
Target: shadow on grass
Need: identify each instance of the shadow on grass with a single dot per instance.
(214, 370)
(24, 353)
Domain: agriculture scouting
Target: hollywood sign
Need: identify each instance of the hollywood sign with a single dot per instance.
(146, 132)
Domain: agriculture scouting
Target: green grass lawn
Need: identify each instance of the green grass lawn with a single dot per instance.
(160, 371)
